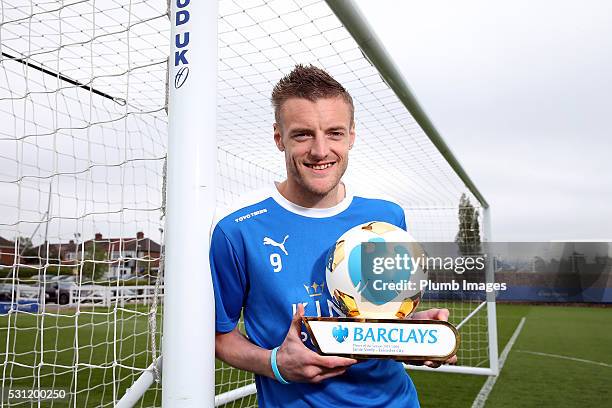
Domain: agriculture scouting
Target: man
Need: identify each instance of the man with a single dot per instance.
(268, 259)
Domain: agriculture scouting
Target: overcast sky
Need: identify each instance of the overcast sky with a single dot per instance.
(518, 89)
(522, 92)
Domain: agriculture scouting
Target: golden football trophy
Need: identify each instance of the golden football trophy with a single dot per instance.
(374, 274)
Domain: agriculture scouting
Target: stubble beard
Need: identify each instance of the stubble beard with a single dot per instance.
(311, 190)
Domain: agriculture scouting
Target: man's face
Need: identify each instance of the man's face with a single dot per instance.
(316, 137)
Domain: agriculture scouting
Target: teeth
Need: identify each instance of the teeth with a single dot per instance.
(321, 166)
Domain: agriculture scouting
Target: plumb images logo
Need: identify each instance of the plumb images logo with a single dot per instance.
(340, 333)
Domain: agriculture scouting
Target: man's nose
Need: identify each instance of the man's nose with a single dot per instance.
(320, 147)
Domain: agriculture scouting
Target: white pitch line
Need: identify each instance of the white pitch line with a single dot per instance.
(580, 360)
(482, 396)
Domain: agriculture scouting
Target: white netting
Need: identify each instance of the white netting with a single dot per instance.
(83, 136)
(82, 147)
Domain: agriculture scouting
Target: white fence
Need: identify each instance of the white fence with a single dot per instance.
(109, 295)
(102, 295)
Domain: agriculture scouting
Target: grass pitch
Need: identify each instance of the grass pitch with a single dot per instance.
(24, 345)
(562, 357)
(575, 372)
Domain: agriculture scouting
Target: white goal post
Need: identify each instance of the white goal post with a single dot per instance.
(189, 342)
(123, 124)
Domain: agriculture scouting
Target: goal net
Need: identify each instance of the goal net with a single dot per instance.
(83, 140)
(82, 145)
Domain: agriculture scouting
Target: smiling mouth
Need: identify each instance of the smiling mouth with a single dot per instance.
(322, 166)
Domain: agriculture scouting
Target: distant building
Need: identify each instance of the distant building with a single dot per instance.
(129, 256)
(7, 252)
(54, 254)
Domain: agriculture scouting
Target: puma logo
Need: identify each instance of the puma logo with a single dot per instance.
(270, 241)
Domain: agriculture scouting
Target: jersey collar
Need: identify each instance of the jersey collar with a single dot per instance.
(312, 212)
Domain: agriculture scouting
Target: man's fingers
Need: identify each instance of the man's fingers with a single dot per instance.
(433, 364)
(436, 364)
(428, 314)
(296, 322)
(429, 363)
(332, 362)
(299, 312)
(432, 314)
(412, 362)
(442, 315)
(328, 374)
(313, 372)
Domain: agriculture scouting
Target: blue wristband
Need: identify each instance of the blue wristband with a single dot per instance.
(277, 373)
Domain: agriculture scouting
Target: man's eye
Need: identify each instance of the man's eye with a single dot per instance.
(337, 134)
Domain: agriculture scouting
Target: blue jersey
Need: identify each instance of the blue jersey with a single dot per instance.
(266, 257)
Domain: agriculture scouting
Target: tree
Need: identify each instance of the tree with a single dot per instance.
(25, 247)
(93, 268)
(24, 243)
(468, 237)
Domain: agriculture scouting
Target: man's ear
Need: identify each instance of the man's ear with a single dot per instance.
(278, 138)
(352, 135)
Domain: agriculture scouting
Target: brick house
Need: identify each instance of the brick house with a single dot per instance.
(7, 252)
(130, 256)
(58, 254)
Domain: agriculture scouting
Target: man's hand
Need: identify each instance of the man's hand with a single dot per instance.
(298, 363)
(433, 314)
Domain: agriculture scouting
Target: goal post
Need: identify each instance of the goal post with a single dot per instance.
(189, 321)
(491, 304)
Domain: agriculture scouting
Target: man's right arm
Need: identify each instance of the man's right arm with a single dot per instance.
(238, 351)
(296, 362)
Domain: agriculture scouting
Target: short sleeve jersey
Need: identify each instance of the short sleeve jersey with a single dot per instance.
(267, 256)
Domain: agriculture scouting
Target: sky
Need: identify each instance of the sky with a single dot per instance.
(521, 92)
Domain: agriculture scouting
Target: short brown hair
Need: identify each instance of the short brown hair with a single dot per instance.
(308, 82)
